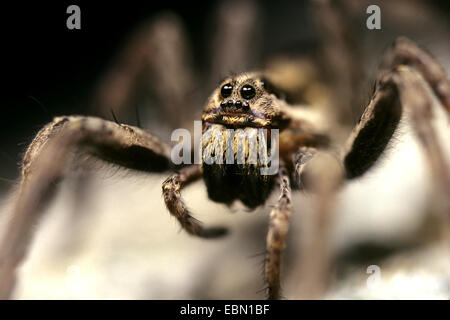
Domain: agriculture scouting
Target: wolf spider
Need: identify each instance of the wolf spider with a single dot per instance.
(309, 157)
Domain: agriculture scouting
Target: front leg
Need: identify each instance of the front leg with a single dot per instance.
(402, 89)
(172, 197)
(45, 164)
(276, 237)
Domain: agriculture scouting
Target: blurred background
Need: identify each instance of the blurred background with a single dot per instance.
(118, 241)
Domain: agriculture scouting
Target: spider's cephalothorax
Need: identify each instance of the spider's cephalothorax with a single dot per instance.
(245, 100)
(237, 123)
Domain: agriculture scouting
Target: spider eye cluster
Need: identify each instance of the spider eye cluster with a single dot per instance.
(247, 91)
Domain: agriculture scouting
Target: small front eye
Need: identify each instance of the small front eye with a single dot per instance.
(226, 90)
(248, 92)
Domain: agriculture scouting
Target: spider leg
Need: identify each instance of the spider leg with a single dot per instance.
(409, 82)
(172, 197)
(45, 164)
(341, 55)
(401, 87)
(156, 59)
(320, 173)
(173, 76)
(235, 45)
(406, 52)
(276, 237)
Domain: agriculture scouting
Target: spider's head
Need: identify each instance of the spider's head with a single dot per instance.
(245, 100)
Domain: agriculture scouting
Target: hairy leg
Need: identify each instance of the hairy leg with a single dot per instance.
(321, 174)
(235, 45)
(402, 88)
(413, 95)
(45, 164)
(406, 52)
(276, 237)
(341, 55)
(400, 85)
(156, 59)
(172, 197)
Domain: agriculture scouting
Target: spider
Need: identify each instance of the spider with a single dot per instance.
(310, 156)
(242, 101)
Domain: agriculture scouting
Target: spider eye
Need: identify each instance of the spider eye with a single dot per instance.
(226, 90)
(248, 92)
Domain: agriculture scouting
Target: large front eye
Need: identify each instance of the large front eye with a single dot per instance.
(226, 90)
(248, 92)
